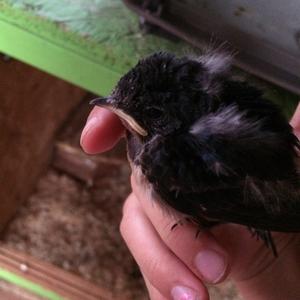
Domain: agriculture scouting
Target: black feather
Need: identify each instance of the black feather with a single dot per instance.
(216, 149)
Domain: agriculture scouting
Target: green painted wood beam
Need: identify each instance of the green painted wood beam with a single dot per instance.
(56, 60)
(28, 285)
(91, 48)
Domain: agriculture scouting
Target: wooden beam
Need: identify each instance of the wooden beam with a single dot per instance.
(41, 278)
(74, 162)
(89, 43)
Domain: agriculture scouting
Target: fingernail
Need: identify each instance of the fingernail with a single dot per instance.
(89, 124)
(211, 265)
(184, 293)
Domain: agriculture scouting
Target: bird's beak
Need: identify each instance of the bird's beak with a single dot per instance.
(108, 103)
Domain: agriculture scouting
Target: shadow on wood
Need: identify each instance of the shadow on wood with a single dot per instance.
(33, 106)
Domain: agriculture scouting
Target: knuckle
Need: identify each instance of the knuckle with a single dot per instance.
(126, 206)
(129, 209)
(122, 227)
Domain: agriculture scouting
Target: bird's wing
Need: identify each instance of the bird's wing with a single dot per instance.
(237, 174)
(256, 165)
(272, 206)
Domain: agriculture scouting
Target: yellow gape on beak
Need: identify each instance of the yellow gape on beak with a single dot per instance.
(105, 102)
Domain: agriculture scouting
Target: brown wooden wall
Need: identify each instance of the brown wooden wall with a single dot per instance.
(33, 106)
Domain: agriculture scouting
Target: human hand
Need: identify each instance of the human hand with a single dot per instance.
(174, 263)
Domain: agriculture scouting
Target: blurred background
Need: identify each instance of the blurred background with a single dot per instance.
(60, 209)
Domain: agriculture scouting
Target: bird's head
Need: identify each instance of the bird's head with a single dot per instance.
(163, 93)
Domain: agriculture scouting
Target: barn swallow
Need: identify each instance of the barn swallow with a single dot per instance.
(208, 146)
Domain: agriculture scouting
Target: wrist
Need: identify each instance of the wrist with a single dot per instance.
(279, 279)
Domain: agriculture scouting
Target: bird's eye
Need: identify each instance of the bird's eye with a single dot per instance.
(154, 112)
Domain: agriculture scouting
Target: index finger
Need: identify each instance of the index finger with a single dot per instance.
(101, 132)
(202, 255)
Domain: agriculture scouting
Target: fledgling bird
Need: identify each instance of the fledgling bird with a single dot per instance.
(210, 147)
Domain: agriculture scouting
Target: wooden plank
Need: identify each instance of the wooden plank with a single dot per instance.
(33, 106)
(11, 292)
(9, 296)
(59, 282)
(76, 163)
